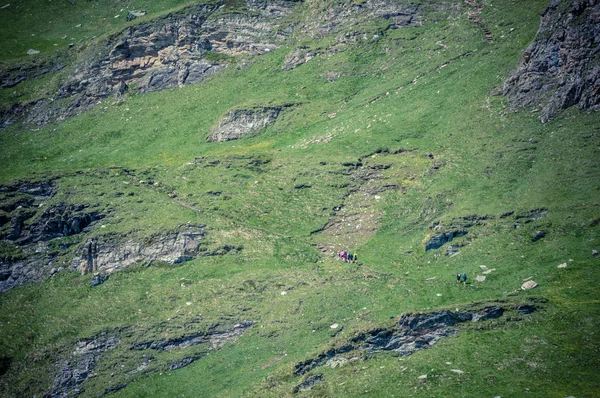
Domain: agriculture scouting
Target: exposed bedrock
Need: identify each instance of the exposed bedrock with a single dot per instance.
(154, 55)
(411, 333)
(561, 67)
(239, 122)
(81, 364)
(113, 252)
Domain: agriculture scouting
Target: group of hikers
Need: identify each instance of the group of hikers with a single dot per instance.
(347, 257)
(461, 278)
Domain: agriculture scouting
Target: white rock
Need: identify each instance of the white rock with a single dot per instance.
(489, 271)
(334, 326)
(283, 293)
(422, 378)
(188, 303)
(483, 267)
(439, 295)
(458, 371)
(529, 285)
(31, 51)
(563, 265)
(448, 363)
(336, 362)
(480, 278)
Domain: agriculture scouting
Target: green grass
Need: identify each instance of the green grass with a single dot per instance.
(48, 26)
(391, 94)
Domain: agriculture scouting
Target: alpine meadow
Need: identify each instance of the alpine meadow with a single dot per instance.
(300, 198)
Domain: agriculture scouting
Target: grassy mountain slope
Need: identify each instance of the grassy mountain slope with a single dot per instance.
(415, 107)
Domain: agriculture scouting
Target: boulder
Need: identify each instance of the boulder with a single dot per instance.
(529, 285)
(239, 122)
(133, 14)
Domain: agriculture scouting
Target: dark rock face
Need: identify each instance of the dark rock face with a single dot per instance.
(437, 241)
(80, 365)
(411, 333)
(561, 67)
(59, 221)
(18, 73)
(15, 272)
(537, 235)
(240, 122)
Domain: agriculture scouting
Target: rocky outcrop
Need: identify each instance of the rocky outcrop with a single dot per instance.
(296, 57)
(59, 221)
(411, 333)
(561, 67)
(81, 364)
(239, 122)
(436, 241)
(308, 382)
(456, 228)
(33, 268)
(113, 252)
(214, 338)
(184, 47)
(15, 74)
(341, 15)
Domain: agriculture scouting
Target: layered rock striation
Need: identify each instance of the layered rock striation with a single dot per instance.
(181, 48)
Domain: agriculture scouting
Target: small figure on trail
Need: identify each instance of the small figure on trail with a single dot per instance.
(355, 258)
(464, 278)
(457, 278)
(345, 256)
(339, 255)
(350, 257)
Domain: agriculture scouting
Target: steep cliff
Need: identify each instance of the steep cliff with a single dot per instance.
(561, 67)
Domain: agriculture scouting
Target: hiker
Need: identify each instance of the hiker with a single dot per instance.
(457, 278)
(350, 257)
(464, 278)
(345, 256)
(339, 255)
(355, 258)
